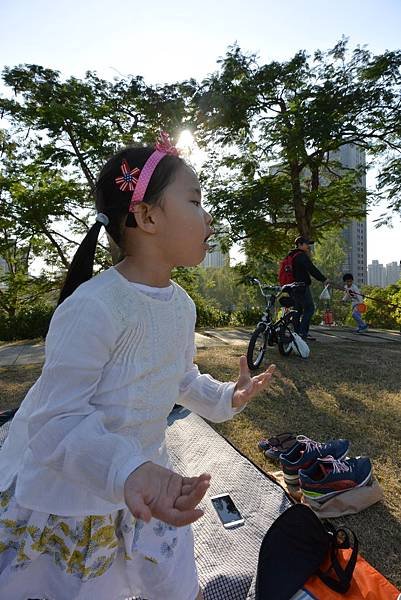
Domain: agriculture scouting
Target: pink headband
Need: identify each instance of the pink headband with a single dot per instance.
(136, 180)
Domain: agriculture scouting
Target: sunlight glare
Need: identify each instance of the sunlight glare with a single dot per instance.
(189, 149)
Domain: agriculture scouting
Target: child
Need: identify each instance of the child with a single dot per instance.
(353, 295)
(89, 507)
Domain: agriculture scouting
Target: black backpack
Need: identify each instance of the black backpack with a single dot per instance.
(294, 548)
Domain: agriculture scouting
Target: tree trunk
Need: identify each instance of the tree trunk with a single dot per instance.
(57, 246)
(303, 223)
(85, 169)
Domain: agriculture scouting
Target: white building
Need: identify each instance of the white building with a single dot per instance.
(354, 233)
(216, 258)
(376, 274)
(393, 272)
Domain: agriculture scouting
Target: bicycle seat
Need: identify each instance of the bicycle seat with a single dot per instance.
(286, 302)
(291, 287)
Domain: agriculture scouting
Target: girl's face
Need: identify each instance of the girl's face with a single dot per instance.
(184, 225)
(348, 282)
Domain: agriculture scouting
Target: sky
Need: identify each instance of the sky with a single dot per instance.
(171, 41)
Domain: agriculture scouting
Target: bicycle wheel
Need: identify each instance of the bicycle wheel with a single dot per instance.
(285, 341)
(256, 348)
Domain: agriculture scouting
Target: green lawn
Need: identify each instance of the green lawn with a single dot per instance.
(347, 391)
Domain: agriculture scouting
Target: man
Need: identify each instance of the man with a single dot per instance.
(303, 268)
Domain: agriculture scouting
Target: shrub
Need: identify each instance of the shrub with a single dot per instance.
(29, 322)
(246, 316)
(208, 315)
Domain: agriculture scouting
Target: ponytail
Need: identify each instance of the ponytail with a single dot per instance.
(81, 268)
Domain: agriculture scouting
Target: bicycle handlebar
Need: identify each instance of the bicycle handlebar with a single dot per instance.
(275, 288)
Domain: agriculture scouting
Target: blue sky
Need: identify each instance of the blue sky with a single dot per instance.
(169, 41)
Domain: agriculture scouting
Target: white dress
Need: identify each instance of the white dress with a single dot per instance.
(107, 555)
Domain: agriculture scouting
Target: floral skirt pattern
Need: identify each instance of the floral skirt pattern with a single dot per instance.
(84, 548)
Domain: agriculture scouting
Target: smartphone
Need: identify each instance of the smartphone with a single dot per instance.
(228, 513)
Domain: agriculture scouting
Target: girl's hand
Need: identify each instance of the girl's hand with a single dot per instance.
(247, 387)
(153, 491)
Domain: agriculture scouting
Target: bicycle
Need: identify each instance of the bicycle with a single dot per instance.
(269, 332)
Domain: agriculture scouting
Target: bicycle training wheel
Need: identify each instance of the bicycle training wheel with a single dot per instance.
(285, 341)
(256, 348)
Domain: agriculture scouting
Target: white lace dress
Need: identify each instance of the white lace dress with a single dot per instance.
(107, 555)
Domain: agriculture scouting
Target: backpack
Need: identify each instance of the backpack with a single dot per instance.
(301, 558)
(285, 273)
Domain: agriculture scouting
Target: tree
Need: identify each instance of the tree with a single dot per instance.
(224, 287)
(384, 306)
(59, 133)
(329, 257)
(275, 129)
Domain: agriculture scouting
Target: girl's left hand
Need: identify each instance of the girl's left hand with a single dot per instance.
(247, 387)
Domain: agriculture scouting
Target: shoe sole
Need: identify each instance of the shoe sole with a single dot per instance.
(323, 497)
(272, 456)
(293, 479)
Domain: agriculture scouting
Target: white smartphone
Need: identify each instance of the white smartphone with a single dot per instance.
(228, 513)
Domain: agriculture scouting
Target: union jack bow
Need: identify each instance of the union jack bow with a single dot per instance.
(128, 180)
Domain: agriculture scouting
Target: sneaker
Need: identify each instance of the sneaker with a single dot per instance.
(362, 328)
(305, 453)
(274, 446)
(329, 477)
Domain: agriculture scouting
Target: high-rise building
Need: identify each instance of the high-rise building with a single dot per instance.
(216, 258)
(393, 272)
(354, 233)
(376, 274)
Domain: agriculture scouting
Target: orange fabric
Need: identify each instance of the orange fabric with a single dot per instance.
(367, 583)
(362, 308)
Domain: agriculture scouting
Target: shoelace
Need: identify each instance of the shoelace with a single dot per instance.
(339, 466)
(309, 444)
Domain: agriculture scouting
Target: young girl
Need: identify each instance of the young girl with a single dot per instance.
(89, 507)
(352, 294)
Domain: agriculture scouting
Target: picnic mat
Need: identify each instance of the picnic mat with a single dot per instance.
(226, 558)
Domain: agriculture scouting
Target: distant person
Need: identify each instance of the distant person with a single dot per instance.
(353, 295)
(303, 268)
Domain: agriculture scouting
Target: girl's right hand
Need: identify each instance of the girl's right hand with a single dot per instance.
(154, 491)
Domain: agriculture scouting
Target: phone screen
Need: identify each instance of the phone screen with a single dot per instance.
(226, 509)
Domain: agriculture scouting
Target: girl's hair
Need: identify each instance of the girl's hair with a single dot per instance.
(347, 276)
(114, 203)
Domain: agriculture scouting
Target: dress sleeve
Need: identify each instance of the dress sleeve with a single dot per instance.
(67, 432)
(201, 393)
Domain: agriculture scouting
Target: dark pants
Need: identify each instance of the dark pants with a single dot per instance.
(305, 308)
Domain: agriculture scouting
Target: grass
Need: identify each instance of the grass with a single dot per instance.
(347, 391)
(21, 342)
(339, 392)
(15, 382)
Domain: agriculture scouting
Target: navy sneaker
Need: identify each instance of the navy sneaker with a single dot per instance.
(305, 453)
(276, 445)
(362, 328)
(329, 477)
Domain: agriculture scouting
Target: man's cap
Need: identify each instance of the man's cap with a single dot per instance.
(303, 240)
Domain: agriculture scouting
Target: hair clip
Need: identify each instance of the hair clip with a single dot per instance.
(129, 178)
